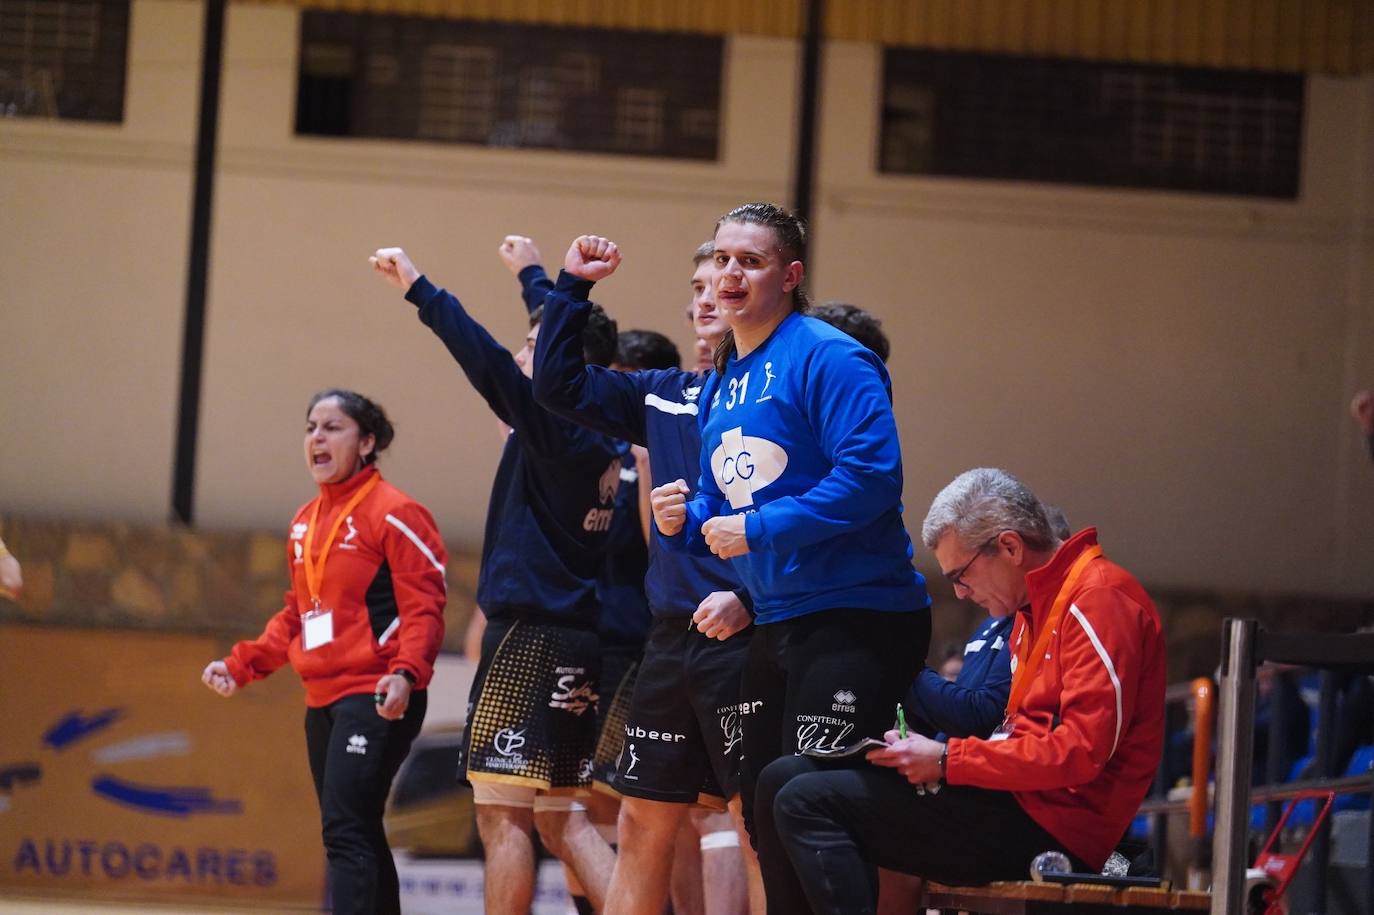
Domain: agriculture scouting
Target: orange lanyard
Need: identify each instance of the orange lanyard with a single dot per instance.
(1026, 668)
(314, 575)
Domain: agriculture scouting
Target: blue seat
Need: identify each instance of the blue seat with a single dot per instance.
(1361, 761)
(1306, 811)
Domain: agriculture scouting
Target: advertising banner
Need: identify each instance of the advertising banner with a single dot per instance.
(123, 778)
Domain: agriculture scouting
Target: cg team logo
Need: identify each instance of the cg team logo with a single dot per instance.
(743, 464)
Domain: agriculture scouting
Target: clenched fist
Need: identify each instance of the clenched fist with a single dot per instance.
(518, 252)
(592, 257)
(669, 503)
(1362, 408)
(216, 676)
(720, 615)
(394, 266)
(725, 536)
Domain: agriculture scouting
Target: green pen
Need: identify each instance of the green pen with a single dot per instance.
(901, 721)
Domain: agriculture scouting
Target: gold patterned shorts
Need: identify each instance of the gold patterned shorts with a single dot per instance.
(532, 709)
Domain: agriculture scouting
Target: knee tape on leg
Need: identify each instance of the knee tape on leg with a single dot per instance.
(557, 803)
(725, 838)
(500, 795)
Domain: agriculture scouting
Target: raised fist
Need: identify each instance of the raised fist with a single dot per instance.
(394, 266)
(592, 257)
(518, 252)
(1362, 409)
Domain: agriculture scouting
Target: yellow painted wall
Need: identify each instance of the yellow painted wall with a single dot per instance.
(1172, 367)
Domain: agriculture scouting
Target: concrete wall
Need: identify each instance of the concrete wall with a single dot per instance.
(1173, 368)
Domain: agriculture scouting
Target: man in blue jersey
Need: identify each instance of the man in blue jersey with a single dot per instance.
(682, 732)
(800, 484)
(531, 727)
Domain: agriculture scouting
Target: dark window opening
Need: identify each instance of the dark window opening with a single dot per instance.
(63, 59)
(1114, 125)
(399, 77)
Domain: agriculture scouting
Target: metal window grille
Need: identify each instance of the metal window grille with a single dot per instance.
(594, 90)
(1118, 125)
(63, 58)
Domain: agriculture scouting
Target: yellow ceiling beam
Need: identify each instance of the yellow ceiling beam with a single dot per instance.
(1315, 36)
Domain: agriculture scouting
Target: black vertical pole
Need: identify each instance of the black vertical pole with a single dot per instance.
(1274, 771)
(198, 264)
(802, 193)
(1158, 838)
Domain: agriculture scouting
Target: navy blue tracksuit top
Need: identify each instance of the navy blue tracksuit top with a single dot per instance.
(554, 494)
(656, 409)
(625, 613)
(976, 702)
(620, 588)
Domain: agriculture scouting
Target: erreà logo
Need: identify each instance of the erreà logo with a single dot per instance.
(609, 483)
(743, 464)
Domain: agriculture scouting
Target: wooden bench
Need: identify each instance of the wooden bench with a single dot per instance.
(1026, 897)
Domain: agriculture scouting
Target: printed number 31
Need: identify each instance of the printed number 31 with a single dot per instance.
(739, 388)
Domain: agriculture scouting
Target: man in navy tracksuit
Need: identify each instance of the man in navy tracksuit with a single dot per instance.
(530, 734)
(976, 701)
(682, 735)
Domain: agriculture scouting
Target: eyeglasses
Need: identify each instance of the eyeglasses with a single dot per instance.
(957, 578)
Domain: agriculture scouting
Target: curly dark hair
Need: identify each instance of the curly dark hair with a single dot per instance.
(599, 337)
(859, 324)
(369, 416)
(647, 349)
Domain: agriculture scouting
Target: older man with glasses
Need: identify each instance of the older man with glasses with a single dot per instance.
(1067, 768)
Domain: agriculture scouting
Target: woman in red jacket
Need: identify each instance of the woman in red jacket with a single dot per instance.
(362, 625)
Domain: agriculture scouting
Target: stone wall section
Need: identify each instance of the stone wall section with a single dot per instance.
(227, 584)
(170, 579)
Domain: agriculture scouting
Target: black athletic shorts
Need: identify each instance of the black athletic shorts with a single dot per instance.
(682, 737)
(825, 680)
(532, 710)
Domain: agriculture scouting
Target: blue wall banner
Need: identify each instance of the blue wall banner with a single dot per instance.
(123, 778)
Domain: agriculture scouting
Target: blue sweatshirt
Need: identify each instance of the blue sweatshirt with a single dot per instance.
(656, 409)
(799, 437)
(620, 588)
(976, 702)
(554, 494)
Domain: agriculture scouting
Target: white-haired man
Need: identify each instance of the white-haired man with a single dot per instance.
(1067, 768)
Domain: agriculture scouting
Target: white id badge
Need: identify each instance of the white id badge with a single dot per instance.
(1003, 730)
(318, 629)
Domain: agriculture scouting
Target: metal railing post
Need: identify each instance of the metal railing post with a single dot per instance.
(1325, 765)
(1235, 746)
(1274, 771)
(1204, 727)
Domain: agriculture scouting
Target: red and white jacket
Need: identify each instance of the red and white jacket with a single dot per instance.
(384, 582)
(1087, 740)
